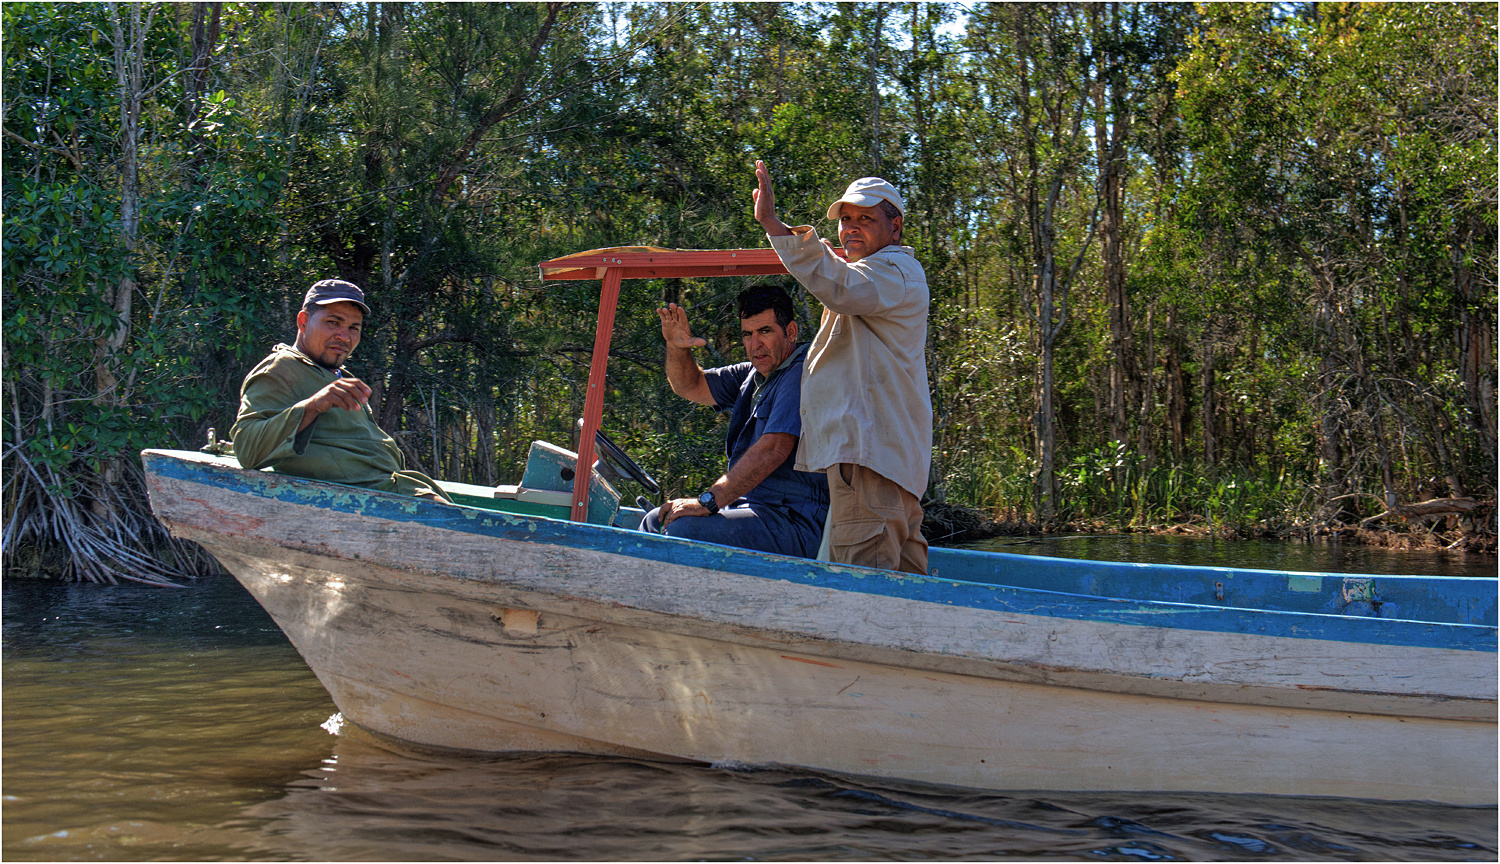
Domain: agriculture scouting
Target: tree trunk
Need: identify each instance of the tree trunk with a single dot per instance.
(1177, 409)
(875, 87)
(129, 55)
(1329, 451)
(1207, 394)
(205, 37)
(393, 400)
(130, 73)
(484, 447)
(1148, 392)
(1045, 426)
(1111, 131)
(1476, 344)
(1058, 119)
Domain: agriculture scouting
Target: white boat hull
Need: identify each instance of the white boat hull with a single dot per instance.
(449, 638)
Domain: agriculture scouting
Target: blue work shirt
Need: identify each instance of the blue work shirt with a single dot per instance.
(777, 409)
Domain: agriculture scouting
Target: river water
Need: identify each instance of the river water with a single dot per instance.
(155, 724)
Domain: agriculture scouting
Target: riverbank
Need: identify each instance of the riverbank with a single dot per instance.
(948, 524)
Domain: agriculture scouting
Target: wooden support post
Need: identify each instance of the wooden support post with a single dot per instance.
(593, 402)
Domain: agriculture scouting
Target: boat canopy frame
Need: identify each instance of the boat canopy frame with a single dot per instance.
(612, 266)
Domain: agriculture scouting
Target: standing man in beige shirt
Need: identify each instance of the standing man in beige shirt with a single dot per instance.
(866, 411)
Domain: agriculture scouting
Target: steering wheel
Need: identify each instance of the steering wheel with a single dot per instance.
(619, 462)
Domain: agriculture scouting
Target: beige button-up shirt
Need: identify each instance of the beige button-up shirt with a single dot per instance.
(864, 384)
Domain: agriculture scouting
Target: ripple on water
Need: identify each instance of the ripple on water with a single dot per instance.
(394, 806)
(146, 724)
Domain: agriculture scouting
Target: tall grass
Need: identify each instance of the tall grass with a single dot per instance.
(1117, 487)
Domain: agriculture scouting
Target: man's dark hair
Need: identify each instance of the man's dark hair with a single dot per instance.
(891, 212)
(753, 301)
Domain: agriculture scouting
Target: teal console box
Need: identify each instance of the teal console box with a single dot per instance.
(550, 468)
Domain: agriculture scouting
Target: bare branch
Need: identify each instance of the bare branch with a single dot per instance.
(45, 149)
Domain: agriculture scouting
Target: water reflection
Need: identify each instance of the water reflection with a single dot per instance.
(370, 803)
(135, 719)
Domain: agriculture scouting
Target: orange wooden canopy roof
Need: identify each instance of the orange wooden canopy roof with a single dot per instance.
(648, 262)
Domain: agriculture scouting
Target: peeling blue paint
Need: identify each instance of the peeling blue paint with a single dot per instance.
(1455, 612)
(1305, 584)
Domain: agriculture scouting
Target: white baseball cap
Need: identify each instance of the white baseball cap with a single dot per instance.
(867, 192)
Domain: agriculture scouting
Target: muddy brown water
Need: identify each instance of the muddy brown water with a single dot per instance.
(150, 724)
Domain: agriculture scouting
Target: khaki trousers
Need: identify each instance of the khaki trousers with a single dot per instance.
(872, 522)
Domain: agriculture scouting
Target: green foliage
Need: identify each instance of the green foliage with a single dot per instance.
(1336, 147)
(108, 328)
(1305, 213)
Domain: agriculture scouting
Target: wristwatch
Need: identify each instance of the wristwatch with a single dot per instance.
(708, 502)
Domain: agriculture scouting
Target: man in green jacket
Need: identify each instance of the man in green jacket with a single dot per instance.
(302, 414)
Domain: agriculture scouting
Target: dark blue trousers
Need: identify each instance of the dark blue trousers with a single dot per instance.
(749, 525)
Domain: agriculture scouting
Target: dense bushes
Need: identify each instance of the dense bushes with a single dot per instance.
(1231, 263)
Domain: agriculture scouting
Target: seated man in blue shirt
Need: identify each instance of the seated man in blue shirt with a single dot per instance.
(761, 502)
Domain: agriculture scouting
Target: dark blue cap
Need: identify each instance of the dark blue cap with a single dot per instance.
(326, 291)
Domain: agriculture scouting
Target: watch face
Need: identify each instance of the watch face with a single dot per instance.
(707, 500)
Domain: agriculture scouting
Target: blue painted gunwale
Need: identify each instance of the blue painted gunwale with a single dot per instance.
(1434, 599)
(944, 590)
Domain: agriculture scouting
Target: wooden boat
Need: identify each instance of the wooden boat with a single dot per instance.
(530, 618)
(472, 628)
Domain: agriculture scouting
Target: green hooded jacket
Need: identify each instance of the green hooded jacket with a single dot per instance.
(340, 446)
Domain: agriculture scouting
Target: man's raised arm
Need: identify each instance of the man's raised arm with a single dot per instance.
(683, 371)
(765, 203)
